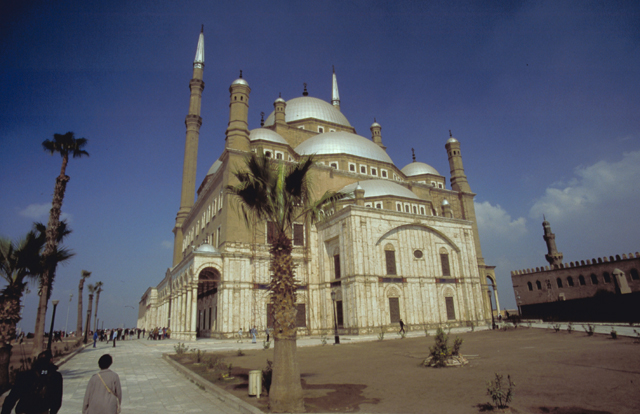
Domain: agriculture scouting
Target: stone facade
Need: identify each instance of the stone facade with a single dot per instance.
(401, 245)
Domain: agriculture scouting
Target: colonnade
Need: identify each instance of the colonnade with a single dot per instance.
(184, 310)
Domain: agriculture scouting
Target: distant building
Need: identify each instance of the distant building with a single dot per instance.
(402, 246)
(602, 289)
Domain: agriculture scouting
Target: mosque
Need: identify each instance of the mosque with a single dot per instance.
(401, 246)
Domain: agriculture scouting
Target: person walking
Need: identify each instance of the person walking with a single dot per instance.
(95, 338)
(401, 326)
(103, 394)
(38, 390)
(266, 330)
(253, 335)
(114, 336)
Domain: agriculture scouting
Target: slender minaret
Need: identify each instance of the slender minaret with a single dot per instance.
(280, 106)
(376, 136)
(554, 257)
(193, 122)
(335, 96)
(458, 179)
(238, 129)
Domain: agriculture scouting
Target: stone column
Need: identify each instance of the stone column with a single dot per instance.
(194, 309)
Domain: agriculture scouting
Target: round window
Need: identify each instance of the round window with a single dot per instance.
(418, 254)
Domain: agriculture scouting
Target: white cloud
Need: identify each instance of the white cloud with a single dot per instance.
(167, 244)
(604, 188)
(40, 212)
(495, 223)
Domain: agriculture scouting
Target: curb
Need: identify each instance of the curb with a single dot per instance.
(227, 398)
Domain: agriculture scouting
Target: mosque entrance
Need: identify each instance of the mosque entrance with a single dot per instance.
(208, 282)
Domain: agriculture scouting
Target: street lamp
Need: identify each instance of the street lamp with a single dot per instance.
(66, 326)
(335, 319)
(53, 318)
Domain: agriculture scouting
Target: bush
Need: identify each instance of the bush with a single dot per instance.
(266, 345)
(614, 334)
(215, 362)
(557, 327)
(240, 353)
(381, 336)
(569, 327)
(501, 397)
(267, 374)
(589, 329)
(402, 334)
(637, 339)
(457, 343)
(439, 352)
(323, 340)
(181, 349)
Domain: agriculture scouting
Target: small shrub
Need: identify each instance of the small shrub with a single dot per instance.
(323, 340)
(181, 349)
(569, 327)
(215, 362)
(557, 327)
(381, 336)
(267, 374)
(240, 353)
(614, 333)
(457, 343)
(198, 354)
(266, 345)
(501, 396)
(589, 329)
(439, 352)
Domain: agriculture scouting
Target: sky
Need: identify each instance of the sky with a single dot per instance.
(543, 96)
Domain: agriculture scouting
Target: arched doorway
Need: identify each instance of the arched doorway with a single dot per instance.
(207, 315)
(492, 292)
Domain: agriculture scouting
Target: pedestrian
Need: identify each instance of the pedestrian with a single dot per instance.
(240, 335)
(253, 334)
(38, 390)
(401, 326)
(95, 338)
(114, 336)
(104, 394)
(266, 330)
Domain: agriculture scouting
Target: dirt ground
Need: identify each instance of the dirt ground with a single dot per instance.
(558, 373)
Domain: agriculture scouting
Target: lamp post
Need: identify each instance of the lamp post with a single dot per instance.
(53, 318)
(335, 318)
(66, 325)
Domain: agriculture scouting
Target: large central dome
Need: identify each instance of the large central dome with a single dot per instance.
(341, 142)
(307, 107)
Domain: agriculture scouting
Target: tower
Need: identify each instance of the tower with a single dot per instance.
(280, 110)
(192, 122)
(458, 179)
(376, 135)
(238, 129)
(335, 96)
(554, 257)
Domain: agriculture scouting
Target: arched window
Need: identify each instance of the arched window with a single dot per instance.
(606, 277)
(581, 280)
(634, 274)
(538, 285)
(444, 260)
(559, 282)
(530, 285)
(594, 279)
(570, 281)
(390, 257)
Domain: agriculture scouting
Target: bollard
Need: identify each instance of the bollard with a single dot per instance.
(255, 382)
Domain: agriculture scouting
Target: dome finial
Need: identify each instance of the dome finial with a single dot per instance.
(450, 134)
(413, 154)
(305, 93)
(279, 94)
(202, 29)
(240, 73)
(261, 119)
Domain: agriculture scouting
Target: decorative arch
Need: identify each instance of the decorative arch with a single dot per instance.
(422, 227)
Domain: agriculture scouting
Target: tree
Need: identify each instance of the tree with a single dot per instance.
(95, 315)
(66, 145)
(280, 194)
(85, 274)
(20, 262)
(91, 289)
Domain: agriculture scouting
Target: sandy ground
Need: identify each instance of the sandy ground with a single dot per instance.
(554, 373)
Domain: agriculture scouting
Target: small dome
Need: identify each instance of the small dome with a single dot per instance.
(206, 248)
(451, 140)
(358, 186)
(375, 125)
(279, 100)
(266, 135)
(240, 81)
(445, 202)
(341, 142)
(418, 168)
(214, 167)
(380, 188)
(307, 107)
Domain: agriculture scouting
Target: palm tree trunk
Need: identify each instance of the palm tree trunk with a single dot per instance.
(88, 327)
(50, 268)
(95, 315)
(285, 394)
(79, 324)
(9, 318)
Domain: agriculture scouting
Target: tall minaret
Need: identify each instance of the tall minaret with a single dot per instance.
(193, 122)
(335, 96)
(458, 179)
(554, 257)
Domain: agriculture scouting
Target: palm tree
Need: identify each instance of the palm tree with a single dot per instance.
(19, 263)
(66, 145)
(91, 289)
(85, 274)
(95, 315)
(280, 195)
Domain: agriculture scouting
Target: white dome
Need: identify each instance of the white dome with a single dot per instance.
(451, 140)
(214, 167)
(418, 168)
(240, 81)
(266, 135)
(380, 188)
(206, 248)
(307, 107)
(342, 142)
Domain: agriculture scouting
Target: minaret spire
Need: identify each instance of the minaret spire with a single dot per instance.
(554, 257)
(335, 96)
(193, 122)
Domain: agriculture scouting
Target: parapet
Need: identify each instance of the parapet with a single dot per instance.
(604, 259)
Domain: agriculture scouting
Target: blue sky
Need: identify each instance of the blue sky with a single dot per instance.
(543, 96)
